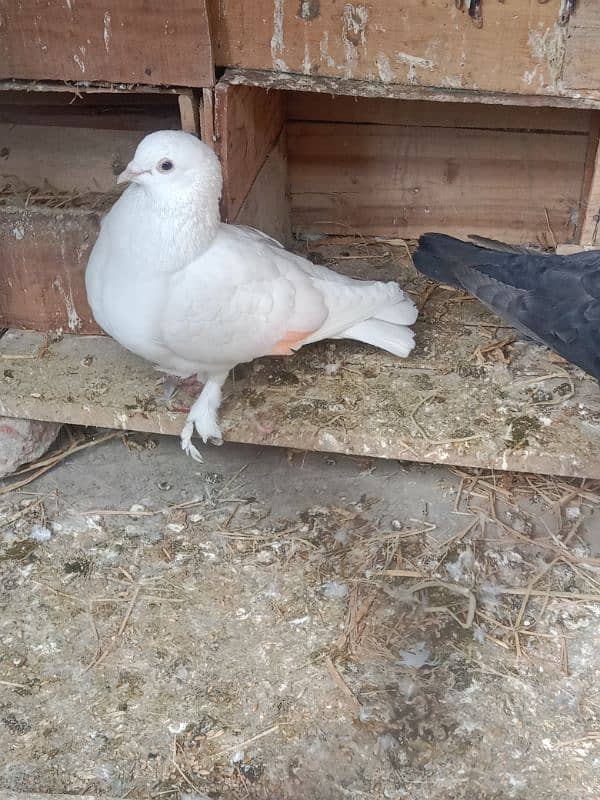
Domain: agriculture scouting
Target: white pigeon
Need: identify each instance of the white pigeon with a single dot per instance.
(175, 285)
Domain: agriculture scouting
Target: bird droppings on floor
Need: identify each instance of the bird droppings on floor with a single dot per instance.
(277, 624)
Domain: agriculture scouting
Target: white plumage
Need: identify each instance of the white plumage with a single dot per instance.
(195, 296)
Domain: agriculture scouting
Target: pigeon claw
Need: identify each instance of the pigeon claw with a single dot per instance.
(186, 442)
(207, 427)
(208, 430)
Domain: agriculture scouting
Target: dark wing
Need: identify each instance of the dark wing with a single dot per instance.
(553, 299)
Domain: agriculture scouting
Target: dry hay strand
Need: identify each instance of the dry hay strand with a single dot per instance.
(495, 503)
(102, 653)
(494, 351)
(43, 465)
(14, 193)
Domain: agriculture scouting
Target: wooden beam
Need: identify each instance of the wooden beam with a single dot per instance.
(248, 122)
(44, 255)
(572, 249)
(120, 41)
(580, 68)
(519, 50)
(313, 107)
(189, 111)
(207, 117)
(590, 193)
(373, 88)
(82, 88)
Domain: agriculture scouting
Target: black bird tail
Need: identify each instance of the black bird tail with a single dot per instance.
(444, 258)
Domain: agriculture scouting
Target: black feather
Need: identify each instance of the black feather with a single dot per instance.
(552, 299)
(501, 247)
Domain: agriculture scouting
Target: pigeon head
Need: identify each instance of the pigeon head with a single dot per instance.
(171, 163)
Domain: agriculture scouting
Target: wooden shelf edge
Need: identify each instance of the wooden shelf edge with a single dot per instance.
(88, 380)
(358, 88)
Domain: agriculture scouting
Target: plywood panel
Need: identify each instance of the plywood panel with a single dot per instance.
(310, 106)
(439, 405)
(121, 41)
(44, 255)
(518, 49)
(248, 122)
(393, 179)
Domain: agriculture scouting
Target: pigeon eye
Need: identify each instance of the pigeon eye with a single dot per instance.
(165, 165)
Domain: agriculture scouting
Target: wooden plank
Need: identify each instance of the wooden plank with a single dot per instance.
(311, 106)
(129, 41)
(84, 89)
(248, 122)
(140, 112)
(590, 192)
(571, 249)
(392, 179)
(44, 255)
(267, 204)
(64, 158)
(207, 117)
(518, 49)
(364, 88)
(580, 69)
(189, 110)
(440, 405)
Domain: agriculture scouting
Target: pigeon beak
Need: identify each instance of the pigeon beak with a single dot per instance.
(130, 173)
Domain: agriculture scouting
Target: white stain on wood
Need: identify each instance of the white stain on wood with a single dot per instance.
(107, 31)
(324, 50)
(413, 63)
(354, 27)
(73, 319)
(79, 61)
(384, 68)
(18, 232)
(452, 82)
(529, 76)
(548, 47)
(306, 63)
(277, 44)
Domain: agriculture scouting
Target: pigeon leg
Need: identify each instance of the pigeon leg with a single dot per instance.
(203, 417)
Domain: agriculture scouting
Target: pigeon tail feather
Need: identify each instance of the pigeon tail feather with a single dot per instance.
(396, 339)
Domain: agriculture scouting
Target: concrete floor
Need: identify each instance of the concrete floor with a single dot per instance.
(250, 627)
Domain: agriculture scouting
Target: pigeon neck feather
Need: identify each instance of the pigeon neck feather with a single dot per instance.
(183, 223)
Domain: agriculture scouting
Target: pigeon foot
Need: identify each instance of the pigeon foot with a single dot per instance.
(203, 418)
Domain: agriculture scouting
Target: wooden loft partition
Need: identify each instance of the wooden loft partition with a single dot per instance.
(118, 41)
(507, 166)
(589, 233)
(63, 148)
(519, 49)
(308, 161)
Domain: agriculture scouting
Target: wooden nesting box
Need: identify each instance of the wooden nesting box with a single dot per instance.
(367, 123)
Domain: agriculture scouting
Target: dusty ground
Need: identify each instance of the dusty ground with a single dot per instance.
(259, 627)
